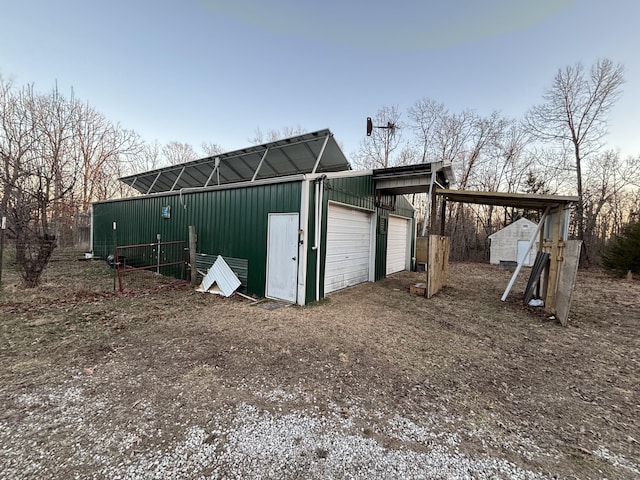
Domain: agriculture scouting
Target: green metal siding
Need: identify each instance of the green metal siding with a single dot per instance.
(358, 191)
(233, 222)
(229, 222)
(310, 281)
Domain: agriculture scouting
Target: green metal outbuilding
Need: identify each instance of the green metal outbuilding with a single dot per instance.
(304, 222)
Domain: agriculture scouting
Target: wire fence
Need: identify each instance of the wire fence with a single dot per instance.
(71, 270)
(137, 262)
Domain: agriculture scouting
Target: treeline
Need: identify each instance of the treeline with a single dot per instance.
(59, 154)
(557, 148)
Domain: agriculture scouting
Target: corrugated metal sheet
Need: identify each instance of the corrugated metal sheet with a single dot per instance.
(229, 222)
(221, 275)
(240, 266)
(233, 222)
(358, 191)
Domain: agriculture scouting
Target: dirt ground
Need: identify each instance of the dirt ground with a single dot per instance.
(93, 380)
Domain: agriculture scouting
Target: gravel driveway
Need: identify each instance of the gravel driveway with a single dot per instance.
(372, 383)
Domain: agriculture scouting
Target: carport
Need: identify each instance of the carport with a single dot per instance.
(554, 272)
(420, 178)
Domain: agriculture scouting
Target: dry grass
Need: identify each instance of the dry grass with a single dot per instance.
(498, 370)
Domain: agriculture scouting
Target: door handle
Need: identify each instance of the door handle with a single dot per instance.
(293, 258)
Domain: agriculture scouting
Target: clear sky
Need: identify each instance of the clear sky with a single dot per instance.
(215, 70)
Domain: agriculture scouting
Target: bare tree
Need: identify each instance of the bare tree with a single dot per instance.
(149, 157)
(271, 135)
(552, 168)
(512, 163)
(36, 178)
(482, 136)
(211, 149)
(505, 168)
(101, 145)
(377, 150)
(481, 139)
(174, 153)
(427, 116)
(450, 136)
(406, 156)
(18, 137)
(609, 183)
(440, 136)
(56, 118)
(575, 115)
(58, 156)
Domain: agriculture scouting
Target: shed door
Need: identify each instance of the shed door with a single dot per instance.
(397, 244)
(522, 252)
(348, 255)
(282, 256)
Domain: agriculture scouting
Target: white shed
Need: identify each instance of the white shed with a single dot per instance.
(510, 243)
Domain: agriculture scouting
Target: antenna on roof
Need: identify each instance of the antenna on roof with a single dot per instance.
(390, 127)
(390, 132)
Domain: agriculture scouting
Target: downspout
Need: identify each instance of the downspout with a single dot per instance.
(318, 230)
(414, 250)
(302, 243)
(182, 202)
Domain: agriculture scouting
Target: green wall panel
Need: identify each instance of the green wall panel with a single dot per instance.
(233, 222)
(358, 191)
(230, 222)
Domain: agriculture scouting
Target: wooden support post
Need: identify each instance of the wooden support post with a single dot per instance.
(550, 300)
(521, 262)
(443, 213)
(437, 265)
(192, 254)
(434, 213)
(568, 269)
(542, 281)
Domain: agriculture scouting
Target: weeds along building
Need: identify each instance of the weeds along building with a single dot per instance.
(293, 211)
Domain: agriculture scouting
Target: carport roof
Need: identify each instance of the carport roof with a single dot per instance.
(315, 152)
(516, 200)
(414, 178)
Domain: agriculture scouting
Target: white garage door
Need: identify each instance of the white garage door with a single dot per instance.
(397, 248)
(348, 247)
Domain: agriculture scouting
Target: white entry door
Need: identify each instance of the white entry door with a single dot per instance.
(282, 256)
(522, 253)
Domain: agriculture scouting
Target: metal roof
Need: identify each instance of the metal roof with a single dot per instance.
(315, 152)
(413, 178)
(517, 200)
